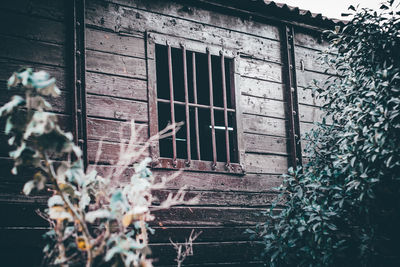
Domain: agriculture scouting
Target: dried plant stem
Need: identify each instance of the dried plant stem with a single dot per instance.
(116, 211)
(76, 216)
(188, 248)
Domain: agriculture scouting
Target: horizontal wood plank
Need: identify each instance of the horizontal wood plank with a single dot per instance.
(32, 51)
(12, 236)
(115, 108)
(306, 127)
(309, 59)
(310, 114)
(263, 106)
(309, 39)
(115, 43)
(187, 216)
(104, 84)
(211, 216)
(208, 233)
(261, 88)
(115, 64)
(260, 69)
(12, 192)
(9, 66)
(264, 125)
(212, 253)
(222, 182)
(109, 153)
(223, 199)
(257, 143)
(306, 78)
(306, 96)
(259, 163)
(35, 28)
(115, 131)
(53, 9)
(206, 181)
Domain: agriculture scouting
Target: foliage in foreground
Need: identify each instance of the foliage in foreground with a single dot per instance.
(343, 208)
(94, 220)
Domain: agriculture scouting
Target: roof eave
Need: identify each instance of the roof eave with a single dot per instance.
(280, 13)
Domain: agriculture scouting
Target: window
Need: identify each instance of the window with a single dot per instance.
(195, 87)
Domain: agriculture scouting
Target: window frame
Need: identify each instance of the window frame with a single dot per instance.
(159, 162)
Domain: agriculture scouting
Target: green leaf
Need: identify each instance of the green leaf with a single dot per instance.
(12, 81)
(11, 140)
(28, 187)
(84, 200)
(332, 226)
(38, 124)
(111, 252)
(9, 126)
(91, 216)
(59, 213)
(8, 107)
(55, 200)
(24, 77)
(352, 161)
(17, 153)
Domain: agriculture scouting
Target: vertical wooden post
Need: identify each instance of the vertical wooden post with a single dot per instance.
(294, 143)
(78, 69)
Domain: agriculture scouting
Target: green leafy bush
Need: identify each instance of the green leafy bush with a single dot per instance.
(93, 220)
(343, 208)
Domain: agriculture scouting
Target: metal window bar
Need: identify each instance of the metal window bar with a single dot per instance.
(172, 108)
(210, 85)
(187, 104)
(228, 161)
(196, 111)
(185, 83)
(194, 105)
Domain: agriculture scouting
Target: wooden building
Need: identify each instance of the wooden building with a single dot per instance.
(248, 61)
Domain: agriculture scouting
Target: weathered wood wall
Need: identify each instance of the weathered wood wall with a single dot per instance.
(310, 67)
(36, 34)
(32, 34)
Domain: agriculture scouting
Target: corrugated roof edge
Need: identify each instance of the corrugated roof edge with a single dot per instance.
(301, 12)
(277, 11)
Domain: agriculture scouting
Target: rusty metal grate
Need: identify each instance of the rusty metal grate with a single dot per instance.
(196, 88)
